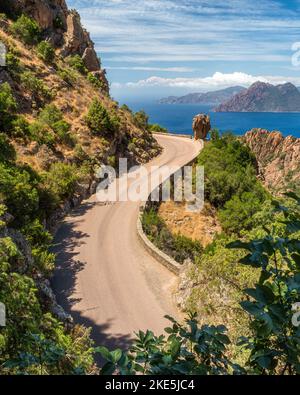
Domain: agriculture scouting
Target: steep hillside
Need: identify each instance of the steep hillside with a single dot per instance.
(57, 125)
(278, 159)
(263, 97)
(213, 98)
(36, 84)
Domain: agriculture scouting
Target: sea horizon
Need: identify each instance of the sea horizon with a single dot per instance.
(177, 118)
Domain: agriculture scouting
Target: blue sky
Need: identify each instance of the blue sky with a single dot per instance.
(158, 48)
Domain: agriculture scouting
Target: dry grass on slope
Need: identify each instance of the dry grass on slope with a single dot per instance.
(73, 99)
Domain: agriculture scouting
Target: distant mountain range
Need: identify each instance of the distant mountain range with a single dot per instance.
(211, 98)
(260, 97)
(263, 97)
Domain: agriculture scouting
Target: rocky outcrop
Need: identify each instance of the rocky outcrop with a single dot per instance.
(77, 41)
(49, 299)
(263, 97)
(201, 126)
(90, 59)
(45, 12)
(278, 158)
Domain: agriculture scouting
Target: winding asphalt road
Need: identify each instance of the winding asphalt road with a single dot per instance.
(104, 277)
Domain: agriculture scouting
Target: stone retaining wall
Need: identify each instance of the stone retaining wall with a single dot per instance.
(159, 255)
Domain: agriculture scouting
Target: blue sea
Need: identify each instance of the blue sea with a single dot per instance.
(177, 118)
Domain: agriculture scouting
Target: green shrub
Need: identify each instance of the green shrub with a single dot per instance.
(12, 63)
(152, 223)
(61, 180)
(20, 127)
(112, 161)
(53, 117)
(214, 134)
(36, 234)
(124, 107)
(40, 240)
(51, 127)
(231, 184)
(62, 131)
(95, 81)
(229, 169)
(46, 51)
(77, 63)
(26, 29)
(79, 153)
(18, 193)
(36, 86)
(157, 128)
(238, 213)
(8, 106)
(7, 151)
(68, 76)
(3, 16)
(50, 114)
(44, 261)
(100, 121)
(185, 248)
(41, 133)
(141, 120)
(178, 246)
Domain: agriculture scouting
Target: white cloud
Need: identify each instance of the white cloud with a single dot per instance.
(163, 69)
(190, 30)
(216, 81)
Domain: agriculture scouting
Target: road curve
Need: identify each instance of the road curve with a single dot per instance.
(104, 277)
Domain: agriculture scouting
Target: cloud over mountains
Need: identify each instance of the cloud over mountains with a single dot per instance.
(217, 80)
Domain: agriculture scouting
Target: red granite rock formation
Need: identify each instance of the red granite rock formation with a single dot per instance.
(278, 158)
(201, 126)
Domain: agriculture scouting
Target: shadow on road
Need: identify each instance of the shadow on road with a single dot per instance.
(63, 282)
(101, 338)
(82, 209)
(67, 266)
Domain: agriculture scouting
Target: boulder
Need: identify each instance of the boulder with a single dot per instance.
(201, 126)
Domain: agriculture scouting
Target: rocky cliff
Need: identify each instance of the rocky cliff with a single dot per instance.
(278, 159)
(263, 97)
(62, 27)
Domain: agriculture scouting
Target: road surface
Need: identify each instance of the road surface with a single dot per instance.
(104, 277)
